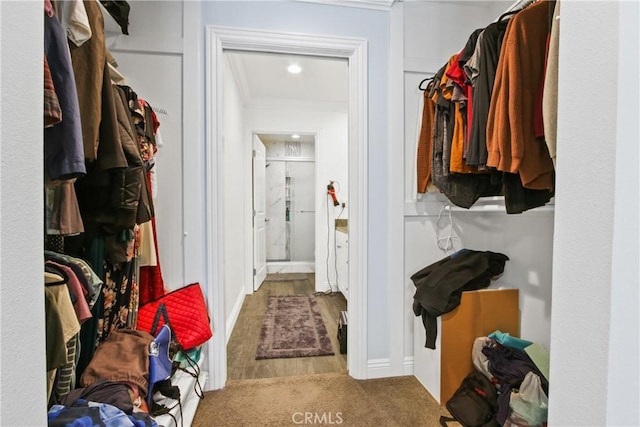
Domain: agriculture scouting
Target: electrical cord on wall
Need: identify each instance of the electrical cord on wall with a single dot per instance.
(335, 249)
(330, 292)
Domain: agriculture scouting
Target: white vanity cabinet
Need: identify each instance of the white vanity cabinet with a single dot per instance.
(342, 262)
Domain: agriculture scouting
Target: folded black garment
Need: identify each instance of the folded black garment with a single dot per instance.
(439, 286)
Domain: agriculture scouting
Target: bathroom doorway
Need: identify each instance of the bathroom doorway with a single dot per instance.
(290, 187)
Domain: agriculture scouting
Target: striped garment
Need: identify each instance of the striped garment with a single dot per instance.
(52, 111)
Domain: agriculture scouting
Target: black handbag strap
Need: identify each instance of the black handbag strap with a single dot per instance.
(161, 312)
(444, 420)
(195, 374)
(173, 392)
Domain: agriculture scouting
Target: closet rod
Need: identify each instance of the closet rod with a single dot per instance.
(159, 110)
(116, 76)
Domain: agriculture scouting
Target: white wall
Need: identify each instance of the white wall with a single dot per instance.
(306, 18)
(624, 354)
(594, 333)
(23, 395)
(331, 130)
(235, 179)
(438, 29)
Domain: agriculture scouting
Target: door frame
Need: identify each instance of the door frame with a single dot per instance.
(354, 50)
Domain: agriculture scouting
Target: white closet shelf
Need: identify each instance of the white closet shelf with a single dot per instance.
(431, 204)
(189, 398)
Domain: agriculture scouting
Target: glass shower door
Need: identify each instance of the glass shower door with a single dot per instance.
(276, 224)
(302, 210)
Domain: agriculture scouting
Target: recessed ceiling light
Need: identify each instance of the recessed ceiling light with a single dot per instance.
(295, 136)
(294, 69)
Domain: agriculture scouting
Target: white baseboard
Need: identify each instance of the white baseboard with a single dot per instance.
(274, 267)
(408, 365)
(378, 368)
(233, 316)
(381, 368)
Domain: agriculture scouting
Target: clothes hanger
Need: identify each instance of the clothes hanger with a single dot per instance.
(52, 279)
(523, 5)
(427, 80)
(507, 14)
(54, 276)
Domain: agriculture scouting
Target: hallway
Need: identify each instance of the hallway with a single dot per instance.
(241, 349)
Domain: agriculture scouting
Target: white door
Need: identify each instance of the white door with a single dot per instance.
(259, 232)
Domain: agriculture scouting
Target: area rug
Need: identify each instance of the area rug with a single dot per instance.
(293, 327)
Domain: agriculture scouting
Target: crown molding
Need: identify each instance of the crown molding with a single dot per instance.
(363, 4)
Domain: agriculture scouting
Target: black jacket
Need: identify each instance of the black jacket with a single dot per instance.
(439, 286)
(114, 196)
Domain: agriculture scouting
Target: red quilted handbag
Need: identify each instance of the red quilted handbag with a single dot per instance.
(184, 310)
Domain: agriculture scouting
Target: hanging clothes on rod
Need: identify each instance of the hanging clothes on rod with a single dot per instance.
(516, 104)
(483, 142)
(98, 191)
(99, 157)
(550, 91)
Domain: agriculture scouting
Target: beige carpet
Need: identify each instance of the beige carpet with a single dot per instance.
(326, 399)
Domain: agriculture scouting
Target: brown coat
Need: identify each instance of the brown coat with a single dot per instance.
(89, 62)
(511, 141)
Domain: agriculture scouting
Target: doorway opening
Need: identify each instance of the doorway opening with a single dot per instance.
(290, 213)
(219, 139)
(289, 205)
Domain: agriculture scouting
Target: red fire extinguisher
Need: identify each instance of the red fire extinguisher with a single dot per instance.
(332, 192)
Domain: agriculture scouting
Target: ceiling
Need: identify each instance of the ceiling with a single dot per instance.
(263, 80)
(269, 138)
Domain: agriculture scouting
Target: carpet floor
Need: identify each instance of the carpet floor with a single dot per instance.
(325, 399)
